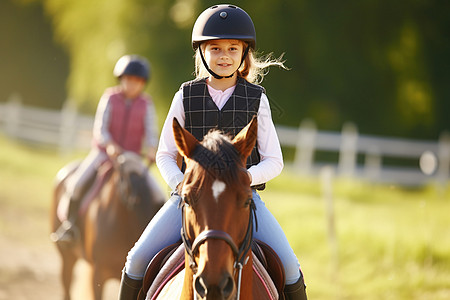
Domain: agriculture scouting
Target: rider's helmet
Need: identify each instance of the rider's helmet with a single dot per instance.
(134, 65)
(223, 22)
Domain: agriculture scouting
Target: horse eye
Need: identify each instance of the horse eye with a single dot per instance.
(185, 200)
(190, 199)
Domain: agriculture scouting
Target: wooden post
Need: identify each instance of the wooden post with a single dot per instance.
(372, 164)
(442, 175)
(13, 114)
(304, 154)
(67, 133)
(326, 176)
(348, 150)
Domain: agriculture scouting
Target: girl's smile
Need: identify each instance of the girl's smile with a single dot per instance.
(223, 56)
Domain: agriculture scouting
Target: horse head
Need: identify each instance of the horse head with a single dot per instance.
(132, 179)
(217, 208)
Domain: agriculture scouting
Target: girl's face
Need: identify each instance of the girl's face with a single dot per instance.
(132, 86)
(223, 56)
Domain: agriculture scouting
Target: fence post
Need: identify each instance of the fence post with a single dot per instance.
(304, 153)
(326, 176)
(443, 159)
(372, 164)
(12, 118)
(347, 152)
(67, 131)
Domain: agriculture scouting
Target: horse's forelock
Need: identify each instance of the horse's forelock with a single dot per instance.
(214, 139)
(217, 155)
(131, 163)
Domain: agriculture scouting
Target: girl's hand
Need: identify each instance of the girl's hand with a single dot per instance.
(113, 150)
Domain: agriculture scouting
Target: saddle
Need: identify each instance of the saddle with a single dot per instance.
(101, 176)
(169, 262)
(89, 191)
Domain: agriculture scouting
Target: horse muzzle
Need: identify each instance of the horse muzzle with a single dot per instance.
(223, 290)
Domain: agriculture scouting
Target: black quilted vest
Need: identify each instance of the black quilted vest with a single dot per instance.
(202, 114)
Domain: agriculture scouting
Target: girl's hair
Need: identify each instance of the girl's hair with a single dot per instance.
(253, 68)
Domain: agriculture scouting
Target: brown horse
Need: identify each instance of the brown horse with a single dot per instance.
(218, 215)
(111, 224)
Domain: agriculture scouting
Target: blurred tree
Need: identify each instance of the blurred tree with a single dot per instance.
(434, 29)
(97, 33)
(360, 61)
(32, 64)
(94, 33)
(380, 64)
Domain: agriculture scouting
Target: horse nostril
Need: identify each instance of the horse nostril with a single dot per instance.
(227, 286)
(200, 287)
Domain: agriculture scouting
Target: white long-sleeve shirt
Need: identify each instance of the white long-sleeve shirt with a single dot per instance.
(269, 148)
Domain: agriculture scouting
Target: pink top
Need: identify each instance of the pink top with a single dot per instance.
(128, 122)
(220, 97)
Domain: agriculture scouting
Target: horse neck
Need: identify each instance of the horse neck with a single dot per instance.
(112, 203)
(113, 195)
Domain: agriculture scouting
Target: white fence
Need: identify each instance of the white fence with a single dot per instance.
(68, 130)
(64, 129)
(428, 160)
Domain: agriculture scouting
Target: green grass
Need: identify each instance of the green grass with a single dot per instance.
(391, 243)
(27, 173)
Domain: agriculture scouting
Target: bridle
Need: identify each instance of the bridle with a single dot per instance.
(240, 253)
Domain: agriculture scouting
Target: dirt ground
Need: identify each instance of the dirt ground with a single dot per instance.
(30, 263)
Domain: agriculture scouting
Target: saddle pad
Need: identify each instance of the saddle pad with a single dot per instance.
(171, 289)
(173, 265)
(169, 280)
(103, 173)
(265, 278)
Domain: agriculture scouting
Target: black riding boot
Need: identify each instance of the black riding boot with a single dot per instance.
(129, 288)
(296, 291)
(68, 232)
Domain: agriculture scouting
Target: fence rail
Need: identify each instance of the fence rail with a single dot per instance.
(67, 130)
(428, 160)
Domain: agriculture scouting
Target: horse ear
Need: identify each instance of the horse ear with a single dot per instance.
(245, 140)
(184, 140)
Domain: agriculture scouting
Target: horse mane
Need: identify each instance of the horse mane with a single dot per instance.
(217, 156)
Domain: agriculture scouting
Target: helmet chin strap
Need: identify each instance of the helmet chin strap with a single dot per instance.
(216, 75)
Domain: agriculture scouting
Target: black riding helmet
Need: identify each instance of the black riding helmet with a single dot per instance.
(134, 65)
(223, 22)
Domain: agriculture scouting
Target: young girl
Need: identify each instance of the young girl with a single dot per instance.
(125, 121)
(222, 97)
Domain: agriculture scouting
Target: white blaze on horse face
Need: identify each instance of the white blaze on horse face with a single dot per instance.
(217, 188)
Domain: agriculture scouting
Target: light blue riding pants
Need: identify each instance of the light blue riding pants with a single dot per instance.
(164, 230)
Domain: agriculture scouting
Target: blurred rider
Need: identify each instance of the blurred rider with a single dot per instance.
(125, 121)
